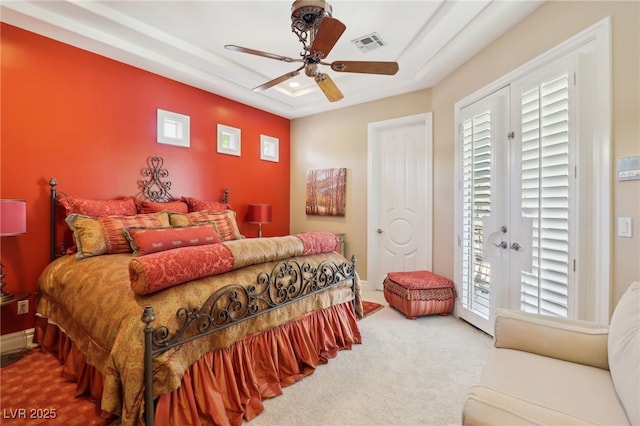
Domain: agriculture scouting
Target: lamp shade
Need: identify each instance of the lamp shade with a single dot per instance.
(259, 213)
(13, 217)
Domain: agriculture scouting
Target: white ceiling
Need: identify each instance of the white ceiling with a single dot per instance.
(184, 41)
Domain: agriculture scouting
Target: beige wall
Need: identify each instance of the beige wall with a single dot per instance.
(339, 138)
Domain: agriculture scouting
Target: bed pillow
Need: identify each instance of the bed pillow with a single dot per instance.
(225, 222)
(318, 242)
(151, 240)
(161, 270)
(105, 235)
(177, 206)
(97, 208)
(196, 205)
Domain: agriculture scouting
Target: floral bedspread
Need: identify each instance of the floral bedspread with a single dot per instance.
(93, 302)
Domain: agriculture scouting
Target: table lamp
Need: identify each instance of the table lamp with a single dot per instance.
(13, 221)
(259, 213)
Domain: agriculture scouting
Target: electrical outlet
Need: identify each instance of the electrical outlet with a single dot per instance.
(23, 307)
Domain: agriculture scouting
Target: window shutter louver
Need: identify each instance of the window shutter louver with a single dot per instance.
(476, 189)
(545, 195)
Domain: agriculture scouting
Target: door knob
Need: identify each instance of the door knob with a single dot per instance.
(502, 245)
(515, 246)
(379, 231)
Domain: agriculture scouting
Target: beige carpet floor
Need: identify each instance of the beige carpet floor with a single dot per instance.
(406, 372)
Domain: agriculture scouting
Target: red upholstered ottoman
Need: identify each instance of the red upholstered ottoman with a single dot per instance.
(419, 293)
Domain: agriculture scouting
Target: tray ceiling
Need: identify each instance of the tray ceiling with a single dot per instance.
(184, 41)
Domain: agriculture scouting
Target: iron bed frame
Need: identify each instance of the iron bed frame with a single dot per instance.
(287, 282)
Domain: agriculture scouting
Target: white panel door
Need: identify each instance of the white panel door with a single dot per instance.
(399, 237)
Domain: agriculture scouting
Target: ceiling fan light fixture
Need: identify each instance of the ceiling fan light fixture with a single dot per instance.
(311, 70)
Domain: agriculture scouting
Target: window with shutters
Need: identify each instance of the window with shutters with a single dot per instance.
(532, 210)
(529, 267)
(545, 194)
(476, 188)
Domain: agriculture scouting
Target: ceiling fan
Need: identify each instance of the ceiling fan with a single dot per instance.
(318, 32)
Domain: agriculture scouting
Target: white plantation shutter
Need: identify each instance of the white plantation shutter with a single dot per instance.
(476, 205)
(546, 207)
(545, 195)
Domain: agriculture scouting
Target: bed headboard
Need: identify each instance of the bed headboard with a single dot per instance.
(154, 188)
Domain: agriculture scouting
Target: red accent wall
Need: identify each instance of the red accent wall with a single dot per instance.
(90, 122)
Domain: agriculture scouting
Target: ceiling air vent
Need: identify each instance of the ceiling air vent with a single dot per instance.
(368, 42)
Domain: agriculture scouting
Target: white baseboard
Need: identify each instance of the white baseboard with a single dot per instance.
(367, 286)
(15, 341)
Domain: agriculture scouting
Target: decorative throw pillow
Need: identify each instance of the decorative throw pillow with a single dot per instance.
(196, 205)
(176, 206)
(151, 240)
(105, 235)
(224, 221)
(161, 270)
(97, 208)
(624, 351)
(318, 242)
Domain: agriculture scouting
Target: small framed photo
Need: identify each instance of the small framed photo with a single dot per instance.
(269, 148)
(173, 128)
(228, 140)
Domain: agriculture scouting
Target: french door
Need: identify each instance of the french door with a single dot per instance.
(515, 200)
(533, 173)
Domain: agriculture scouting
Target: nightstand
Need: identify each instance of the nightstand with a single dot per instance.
(13, 356)
(21, 295)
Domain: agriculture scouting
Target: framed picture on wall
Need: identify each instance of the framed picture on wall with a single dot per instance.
(326, 192)
(228, 140)
(173, 128)
(269, 148)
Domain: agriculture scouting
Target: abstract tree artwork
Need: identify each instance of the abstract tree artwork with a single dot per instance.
(326, 192)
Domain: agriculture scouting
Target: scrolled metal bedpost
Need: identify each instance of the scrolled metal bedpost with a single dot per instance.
(354, 259)
(52, 218)
(148, 316)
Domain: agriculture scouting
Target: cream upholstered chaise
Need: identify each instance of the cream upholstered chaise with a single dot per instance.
(554, 371)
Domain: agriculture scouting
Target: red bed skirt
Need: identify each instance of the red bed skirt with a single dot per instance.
(228, 385)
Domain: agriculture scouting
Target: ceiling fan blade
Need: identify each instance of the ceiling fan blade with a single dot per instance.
(260, 53)
(387, 68)
(329, 88)
(278, 80)
(327, 36)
